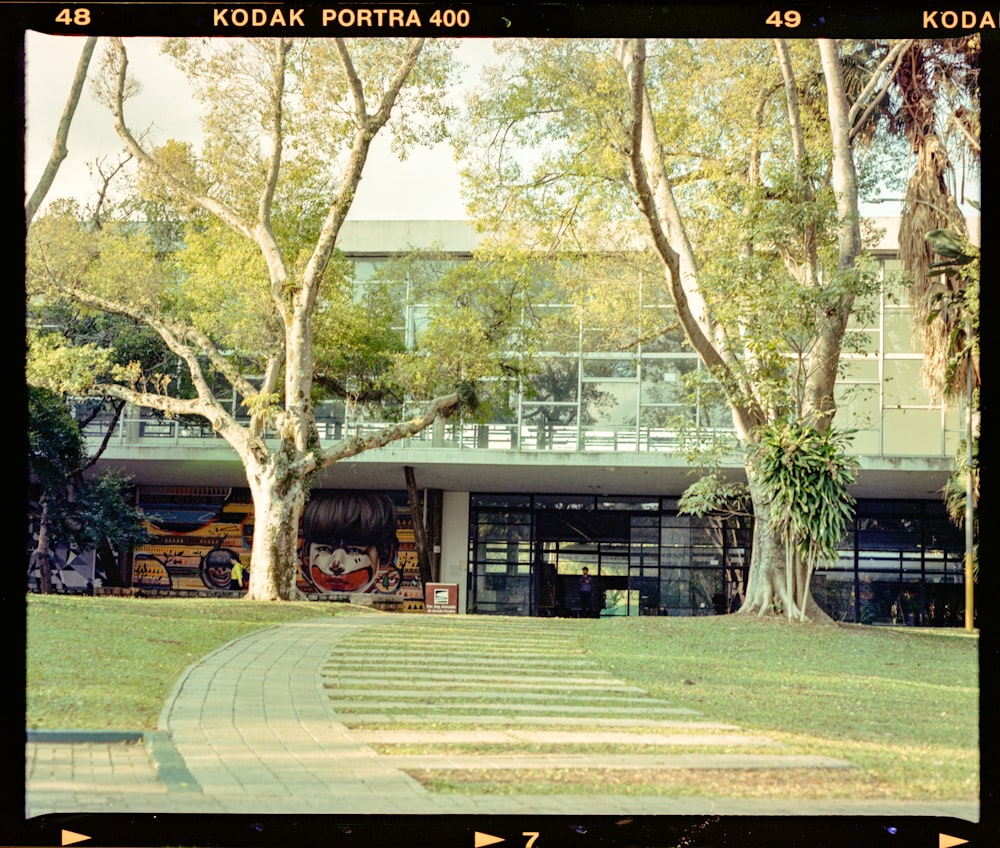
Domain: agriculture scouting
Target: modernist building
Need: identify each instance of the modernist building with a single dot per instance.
(516, 507)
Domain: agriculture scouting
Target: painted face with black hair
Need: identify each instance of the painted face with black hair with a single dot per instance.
(346, 538)
(343, 566)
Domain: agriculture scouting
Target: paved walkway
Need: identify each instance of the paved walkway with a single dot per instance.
(280, 722)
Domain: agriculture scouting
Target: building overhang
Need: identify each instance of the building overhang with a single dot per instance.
(467, 470)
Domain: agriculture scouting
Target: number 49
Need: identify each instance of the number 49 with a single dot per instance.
(789, 19)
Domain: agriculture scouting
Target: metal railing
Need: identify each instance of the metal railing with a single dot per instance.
(154, 431)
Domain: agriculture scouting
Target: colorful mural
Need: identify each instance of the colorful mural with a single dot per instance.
(72, 570)
(350, 542)
(196, 535)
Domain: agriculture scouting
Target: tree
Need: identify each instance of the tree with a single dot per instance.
(68, 505)
(937, 111)
(59, 147)
(752, 213)
(803, 474)
(288, 127)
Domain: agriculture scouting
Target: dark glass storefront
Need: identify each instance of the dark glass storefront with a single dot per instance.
(527, 552)
(902, 564)
(906, 566)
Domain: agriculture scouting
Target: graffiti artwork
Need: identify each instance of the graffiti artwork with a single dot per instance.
(197, 535)
(71, 570)
(350, 542)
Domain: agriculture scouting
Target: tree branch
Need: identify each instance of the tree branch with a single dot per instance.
(59, 148)
(893, 57)
(441, 407)
(203, 201)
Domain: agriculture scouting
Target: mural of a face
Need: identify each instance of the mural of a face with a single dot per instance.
(348, 538)
(217, 569)
(343, 568)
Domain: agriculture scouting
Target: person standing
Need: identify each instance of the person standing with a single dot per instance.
(586, 589)
(236, 575)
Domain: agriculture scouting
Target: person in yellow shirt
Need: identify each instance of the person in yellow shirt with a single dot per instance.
(236, 576)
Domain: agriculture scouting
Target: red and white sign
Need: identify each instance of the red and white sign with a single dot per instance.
(441, 597)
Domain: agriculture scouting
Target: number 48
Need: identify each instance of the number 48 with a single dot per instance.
(79, 17)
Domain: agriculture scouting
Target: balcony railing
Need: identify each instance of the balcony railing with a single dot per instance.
(144, 431)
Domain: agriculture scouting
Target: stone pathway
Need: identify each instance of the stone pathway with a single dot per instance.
(508, 694)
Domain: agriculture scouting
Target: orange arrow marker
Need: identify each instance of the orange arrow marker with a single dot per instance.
(486, 839)
(946, 841)
(70, 838)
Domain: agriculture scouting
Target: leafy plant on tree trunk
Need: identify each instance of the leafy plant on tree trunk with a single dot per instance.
(803, 475)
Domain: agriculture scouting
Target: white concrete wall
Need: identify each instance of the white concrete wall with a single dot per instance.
(455, 543)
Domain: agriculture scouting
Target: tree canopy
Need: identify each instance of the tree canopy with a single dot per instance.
(734, 163)
(234, 262)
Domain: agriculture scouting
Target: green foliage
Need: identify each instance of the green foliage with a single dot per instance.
(104, 510)
(712, 494)
(81, 510)
(805, 474)
(64, 368)
(55, 447)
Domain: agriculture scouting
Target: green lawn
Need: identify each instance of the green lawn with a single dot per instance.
(100, 663)
(901, 704)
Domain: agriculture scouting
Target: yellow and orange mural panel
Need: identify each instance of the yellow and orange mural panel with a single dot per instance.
(350, 542)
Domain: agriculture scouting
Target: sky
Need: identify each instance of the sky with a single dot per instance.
(425, 187)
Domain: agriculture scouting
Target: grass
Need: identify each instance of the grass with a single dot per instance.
(100, 663)
(900, 704)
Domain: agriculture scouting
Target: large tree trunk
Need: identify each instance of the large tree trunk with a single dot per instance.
(768, 587)
(278, 502)
(43, 559)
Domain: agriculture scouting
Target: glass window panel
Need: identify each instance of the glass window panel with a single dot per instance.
(557, 379)
(500, 500)
(954, 417)
(563, 502)
(896, 291)
(909, 510)
(859, 370)
(663, 379)
(668, 419)
(862, 341)
(715, 413)
(902, 383)
(858, 408)
(610, 368)
(899, 332)
(364, 269)
(610, 404)
(912, 432)
(629, 503)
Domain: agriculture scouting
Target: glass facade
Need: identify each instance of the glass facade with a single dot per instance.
(904, 565)
(614, 374)
(901, 564)
(526, 553)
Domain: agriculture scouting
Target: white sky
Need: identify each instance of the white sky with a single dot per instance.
(424, 187)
